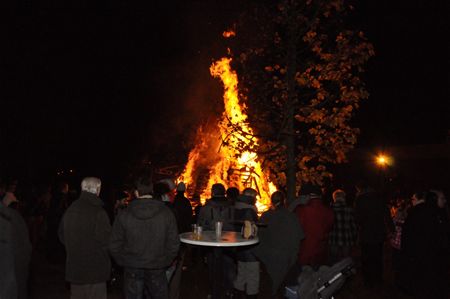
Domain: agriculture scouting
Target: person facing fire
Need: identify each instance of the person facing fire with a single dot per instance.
(247, 280)
(220, 264)
(316, 219)
(145, 242)
(85, 232)
(183, 208)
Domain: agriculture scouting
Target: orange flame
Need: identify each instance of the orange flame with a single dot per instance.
(227, 166)
(229, 33)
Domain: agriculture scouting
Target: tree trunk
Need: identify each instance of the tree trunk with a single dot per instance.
(291, 167)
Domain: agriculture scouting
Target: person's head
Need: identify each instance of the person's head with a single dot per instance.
(252, 193)
(311, 190)
(161, 191)
(217, 190)
(232, 193)
(248, 196)
(91, 185)
(63, 187)
(339, 196)
(441, 200)
(143, 186)
(172, 187)
(181, 187)
(417, 197)
(278, 199)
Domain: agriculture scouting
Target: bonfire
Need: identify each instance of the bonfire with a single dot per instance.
(215, 158)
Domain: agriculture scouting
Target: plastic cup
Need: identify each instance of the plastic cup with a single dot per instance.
(218, 229)
(199, 232)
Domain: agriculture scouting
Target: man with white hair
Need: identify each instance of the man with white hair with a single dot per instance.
(85, 231)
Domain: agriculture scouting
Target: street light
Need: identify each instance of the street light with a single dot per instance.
(383, 160)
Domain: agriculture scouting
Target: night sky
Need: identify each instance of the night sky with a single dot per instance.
(96, 90)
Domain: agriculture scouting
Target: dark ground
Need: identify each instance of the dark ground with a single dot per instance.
(47, 282)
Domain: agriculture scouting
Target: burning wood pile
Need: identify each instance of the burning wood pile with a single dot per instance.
(215, 159)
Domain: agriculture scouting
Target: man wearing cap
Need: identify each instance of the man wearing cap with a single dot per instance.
(84, 231)
(316, 219)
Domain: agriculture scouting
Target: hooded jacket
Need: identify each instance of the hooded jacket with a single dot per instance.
(145, 235)
(85, 230)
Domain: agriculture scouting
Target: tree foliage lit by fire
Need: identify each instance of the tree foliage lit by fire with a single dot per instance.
(300, 77)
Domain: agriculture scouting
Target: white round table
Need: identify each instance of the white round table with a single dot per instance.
(208, 238)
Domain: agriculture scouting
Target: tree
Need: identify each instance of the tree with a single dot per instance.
(299, 72)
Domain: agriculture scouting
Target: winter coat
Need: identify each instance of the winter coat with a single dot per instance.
(145, 235)
(279, 242)
(183, 209)
(316, 220)
(15, 252)
(372, 216)
(217, 209)
(85, 231)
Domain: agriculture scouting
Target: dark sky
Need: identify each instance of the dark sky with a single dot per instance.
(97, 89)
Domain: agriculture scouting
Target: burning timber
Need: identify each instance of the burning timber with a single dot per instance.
(215, 157)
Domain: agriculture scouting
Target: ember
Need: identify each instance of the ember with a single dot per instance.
(215, 152)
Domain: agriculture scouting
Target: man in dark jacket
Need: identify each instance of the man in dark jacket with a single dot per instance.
(220, 264)
(183, 209)
(373, 218)
(85, 231)
(145, 242)
(15, 252)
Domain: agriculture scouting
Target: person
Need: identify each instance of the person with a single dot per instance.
(279, 242)
(316, 219)
(15, 254)
(373, 218)
(57, 206)
(398, 262)
(232, 193)
(145, 242)
(220, 264)
(442, 212)
(85, 230)
(163, 191)
(343, 234)
(421, 246)
(183, 208)
(247, 279)
(9, 196)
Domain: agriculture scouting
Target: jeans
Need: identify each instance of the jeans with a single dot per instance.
(145, 283)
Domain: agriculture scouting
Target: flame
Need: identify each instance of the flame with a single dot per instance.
(229, 33)
(227, 166)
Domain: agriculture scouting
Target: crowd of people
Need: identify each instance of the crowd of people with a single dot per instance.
(136, 236)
